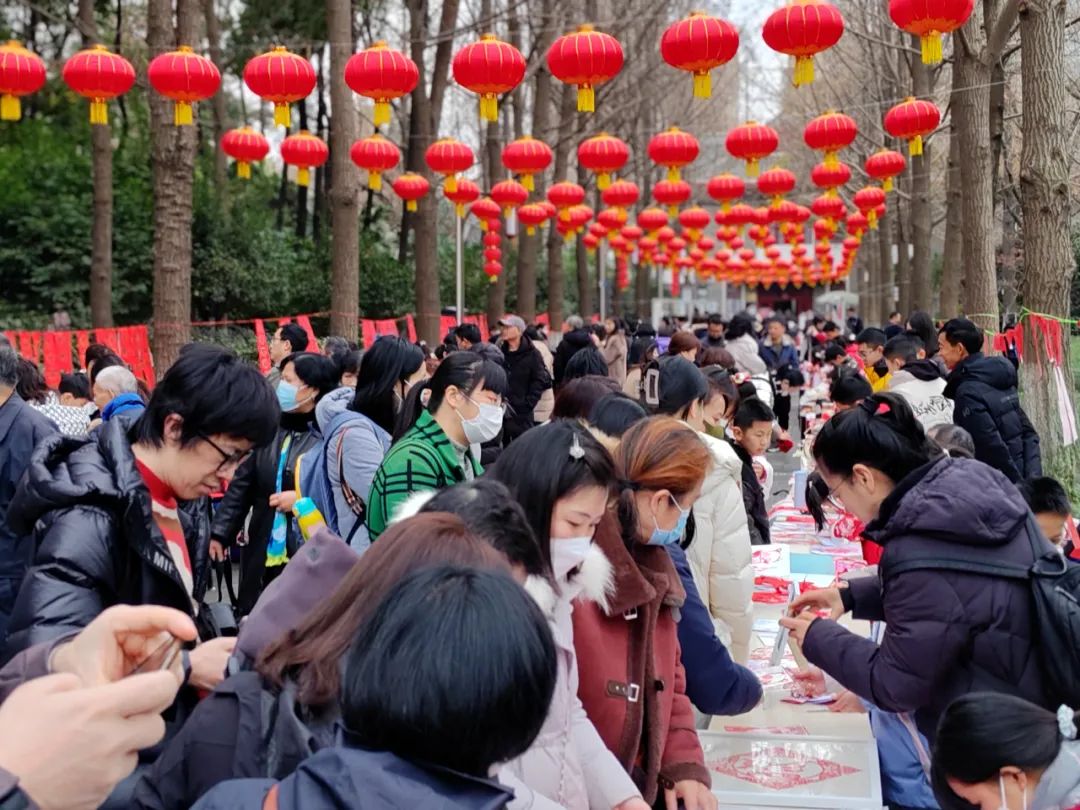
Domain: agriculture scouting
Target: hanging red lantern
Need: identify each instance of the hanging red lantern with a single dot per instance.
(525, 157)
(466, 192)
(99, 75)
(489, 68)
(493, 254)
(785, 211)
(412, 188)
(564, 195)
(449, 157)
(868, 200)
(492, 239)
(672, 194)
(828, 207)
(245, 146)
(829, 177)
(603, 155)
(857, 223)
(612, 218)
(184, 77)
(725, 189)
(492, 271)
(884, 166)
(508, 195)
(21, 73)
(622, 274)
(586, 58)
(381, 74)
(752, 142)
(591, 242)
(695, 220)
(929, 21)
(698, 44)
(532, 216)
(673, 149)
(580, 215)
(306, 152)
(620, 194)
(829, 133)
(775, 183)
(631, 233)
(803, 29)
(487, 211)
(652, 220)
(375, 155)
(913, 119)
(281, 77)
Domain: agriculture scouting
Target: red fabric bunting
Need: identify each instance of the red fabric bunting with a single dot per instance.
(108, 337)
(135, 349)
(1000, 344)
(367, 333)
(410, 327)
(58, 358)
(446, 323)
(262, 347)
(26, 346)
(305, 323)
(82, 343)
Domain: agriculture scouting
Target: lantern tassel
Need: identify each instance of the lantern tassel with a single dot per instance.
(183, 115)
(603, 180)
(568, 238)
(411, 205)
(489, 108)
(725, 206)
(530, 230)
(932, 48)
(673, 211)
(460, 209)
(382, 113)
(484, 226)
(753, 168)
(804, 70)
(243, 170)
(673, 174)
(564, 214)
(832, 159)
(10, 108)
(450, 186)
(375, 181)
(303, 177)
(703, 84)
(282, 115)
(528, 182)
(916, 146)
(494, 279)
(888, 185)
(586, 98)
(99, 112)
(871, 218)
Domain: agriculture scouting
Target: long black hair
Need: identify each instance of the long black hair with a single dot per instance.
(881, 433)
(465, 371)
(672, 384)
(922, 325)
(722, 384)
(315, 371)
(983, 732)
(389, 362)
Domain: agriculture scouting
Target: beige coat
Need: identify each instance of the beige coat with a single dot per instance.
(615, 351)
(543, 409)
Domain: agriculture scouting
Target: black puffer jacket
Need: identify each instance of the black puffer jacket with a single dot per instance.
(571, 343)
(988, 407)
(95, 541)
(947, 632)
(528, 379)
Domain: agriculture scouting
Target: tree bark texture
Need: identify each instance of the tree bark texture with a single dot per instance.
(218, 107)
(556, 244)
(884, 284)
(921, 291)
(952, 268)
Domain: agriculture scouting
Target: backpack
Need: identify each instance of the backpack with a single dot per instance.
(1055, 592)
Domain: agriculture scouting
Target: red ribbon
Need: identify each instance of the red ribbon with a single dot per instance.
(262, 347)
(305, 323)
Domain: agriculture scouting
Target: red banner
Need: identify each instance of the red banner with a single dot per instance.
(58, 358)
(82, 343)
(410, 328)
(305, 323)
(262, 347)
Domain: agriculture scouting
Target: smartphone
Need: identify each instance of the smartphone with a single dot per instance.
(162, 657)
(782, 637)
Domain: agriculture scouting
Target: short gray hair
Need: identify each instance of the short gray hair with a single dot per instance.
(9, 366)
(118, 380)
(575, 322)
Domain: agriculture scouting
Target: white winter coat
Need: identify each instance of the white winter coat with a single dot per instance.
(720, 553)
(926, 398)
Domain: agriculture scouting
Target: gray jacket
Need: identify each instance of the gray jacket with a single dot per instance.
(1059, 787)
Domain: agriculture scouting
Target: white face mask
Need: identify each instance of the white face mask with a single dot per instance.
(485, 426)
(567, 554)
(1004, 803)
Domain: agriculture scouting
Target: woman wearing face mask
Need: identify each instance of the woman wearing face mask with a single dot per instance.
(632, 683)
(950, 630)
(440, 425)
(266, 484)
(357, 424)
(563, 478)
(998, 752)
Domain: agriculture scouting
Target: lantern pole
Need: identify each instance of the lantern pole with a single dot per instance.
(459, 272)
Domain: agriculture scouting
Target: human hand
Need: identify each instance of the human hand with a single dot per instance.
(808, 683)
(694, 795)
(208, 662)
(283, 501)
(217, 551)
(798, 625)
(847, 702)
(69, 745)
(816, 600)
(636, 803)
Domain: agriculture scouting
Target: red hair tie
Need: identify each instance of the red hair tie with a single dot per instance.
(883, 408)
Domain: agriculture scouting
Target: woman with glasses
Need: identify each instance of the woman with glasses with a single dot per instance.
(266, 484)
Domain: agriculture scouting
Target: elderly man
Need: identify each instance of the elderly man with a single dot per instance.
(116, 391)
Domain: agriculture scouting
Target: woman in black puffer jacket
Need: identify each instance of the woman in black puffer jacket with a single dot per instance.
(949, 631)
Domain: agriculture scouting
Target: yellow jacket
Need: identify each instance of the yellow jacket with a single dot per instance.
(878, 382)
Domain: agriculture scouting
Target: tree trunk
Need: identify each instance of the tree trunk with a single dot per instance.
(921, 222)
(345, 182)
(172, 151)
(1044, 186)
(218, 106)
(101, 227)
(555, 246)
(886, 299)
(496, 303)
(903, 260)
(584, 283)
(952, 269)
(321, 188)
(302, 191)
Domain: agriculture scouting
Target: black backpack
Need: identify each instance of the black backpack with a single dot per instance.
(1055, 591)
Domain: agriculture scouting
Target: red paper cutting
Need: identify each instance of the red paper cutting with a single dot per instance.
(778, 768)
(800, 731)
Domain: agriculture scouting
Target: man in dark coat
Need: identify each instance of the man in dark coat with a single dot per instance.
(21, 428)
(575, 337)
(988, 404)
(526, 374)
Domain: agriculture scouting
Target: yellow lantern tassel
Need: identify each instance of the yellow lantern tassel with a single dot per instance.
(871, 218)
(673, 211)
(530, 230)
(382, 113)
(494, 279)
(831, 193)
(804, 70)
(484, 226)
(303, 177)
(591, 251)
(832, 159)
(182, 114)
(586, 98)
(282, 115)
(507, 211)
(528, 182)
(489, 108)
(673, 174)
(450, 186)
(703, 84)
(564, 214)
(99, 112)
(603, 180)
(916, 146)
(375, 181)
(568, 238)
(10, 108)
(753, 168)
(412, 206)
(243, 170)
(932, 48)
(460, 208)
(725, 206)
(888, 185)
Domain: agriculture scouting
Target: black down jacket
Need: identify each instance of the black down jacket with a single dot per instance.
(988, 407)
(95, 541)
(947, 633)
(528, 380)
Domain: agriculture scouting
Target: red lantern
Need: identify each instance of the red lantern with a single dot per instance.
(672, 194)
(829, 177)
(604, 155)
(868, 201)
(100, 76)
(466, 192)
(913, 119)
(306, 152)
(591, 242)
(281, 77)
(620, 194)
(508, 195)
(752, 142)
(565, 195)
(884, 166)
(652, 220)
(829, 133)
(411, 187)
(375, 155)
(492, 270)
(698, 44)
(532, 216)
(489, 68)
(449, 157)
(784, 211)
(929, 21)
(525, 157)
(725, 189)
(775, 183)
(580, 216)
(21, 73)
(857, 224)
(828, 207)
(631, 233)
(612, 218)
(586, 58)
(381, 74)
(492, 239)
(673, 149)
(185, 77)
(695, 220)
(487, 211)
(803, 29)
(245, 146)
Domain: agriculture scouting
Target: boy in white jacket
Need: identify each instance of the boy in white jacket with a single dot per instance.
(918, 380)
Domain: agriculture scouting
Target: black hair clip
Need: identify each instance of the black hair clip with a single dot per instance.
(632, 486)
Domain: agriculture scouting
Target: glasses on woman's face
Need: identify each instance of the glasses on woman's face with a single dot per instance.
(228, 460)
(834, 499)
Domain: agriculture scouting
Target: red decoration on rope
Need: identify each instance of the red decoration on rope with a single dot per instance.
(262, 347)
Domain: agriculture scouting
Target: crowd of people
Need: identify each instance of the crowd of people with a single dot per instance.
(528, 580)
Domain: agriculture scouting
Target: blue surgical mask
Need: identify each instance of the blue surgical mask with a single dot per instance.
(286, 396)
(670, 537)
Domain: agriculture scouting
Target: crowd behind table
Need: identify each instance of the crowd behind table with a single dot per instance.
(490, 574)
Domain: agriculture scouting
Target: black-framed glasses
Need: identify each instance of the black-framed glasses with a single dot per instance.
(234, 459)
(832, 497)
